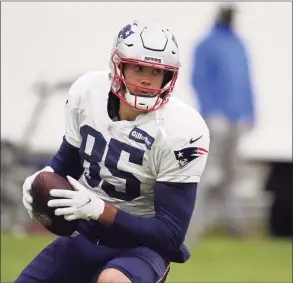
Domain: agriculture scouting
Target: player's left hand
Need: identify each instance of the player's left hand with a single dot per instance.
(79, 204)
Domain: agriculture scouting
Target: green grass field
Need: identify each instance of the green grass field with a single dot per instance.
(215, 259)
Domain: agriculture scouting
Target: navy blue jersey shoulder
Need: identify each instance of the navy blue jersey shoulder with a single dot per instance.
(67, 161)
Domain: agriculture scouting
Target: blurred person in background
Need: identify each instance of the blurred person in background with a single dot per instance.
(221, 80)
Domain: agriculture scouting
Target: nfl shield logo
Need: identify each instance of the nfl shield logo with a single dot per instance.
(111, 128)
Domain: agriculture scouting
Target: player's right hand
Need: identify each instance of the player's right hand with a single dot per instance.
(26, 188)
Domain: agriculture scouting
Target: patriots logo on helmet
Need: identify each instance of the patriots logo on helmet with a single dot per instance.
(124, 33)
(185, 155)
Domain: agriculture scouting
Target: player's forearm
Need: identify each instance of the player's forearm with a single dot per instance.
(166, 231)
(67, 161)
(107, 218)
(149, 232)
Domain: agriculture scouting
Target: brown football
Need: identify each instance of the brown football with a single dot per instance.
(43, 183)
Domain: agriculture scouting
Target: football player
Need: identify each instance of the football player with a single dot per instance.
(135, 156)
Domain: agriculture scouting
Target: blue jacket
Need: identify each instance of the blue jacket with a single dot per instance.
(220, 76)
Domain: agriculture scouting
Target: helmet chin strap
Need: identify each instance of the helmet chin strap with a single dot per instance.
(143, 102)
(128, 96)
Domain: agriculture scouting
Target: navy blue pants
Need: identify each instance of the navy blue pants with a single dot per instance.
(76, 260)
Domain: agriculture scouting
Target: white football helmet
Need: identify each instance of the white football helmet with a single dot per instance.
(146, 44)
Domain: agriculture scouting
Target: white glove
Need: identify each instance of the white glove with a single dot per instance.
(79, 204)
(26, 188)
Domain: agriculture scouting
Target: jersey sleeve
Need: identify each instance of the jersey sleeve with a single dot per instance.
(72, 112)
(184, 162)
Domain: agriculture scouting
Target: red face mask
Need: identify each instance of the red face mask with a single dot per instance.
(145, 98)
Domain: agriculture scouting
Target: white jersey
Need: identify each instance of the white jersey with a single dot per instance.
(122, 160)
